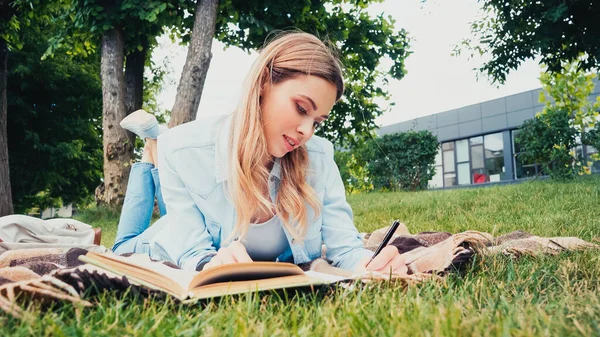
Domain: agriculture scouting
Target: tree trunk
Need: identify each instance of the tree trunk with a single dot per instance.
(118, 149)
(6, 206)
(134, 82)
(196, 65)
(134, 79)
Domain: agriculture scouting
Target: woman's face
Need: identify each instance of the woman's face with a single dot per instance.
(292, 109)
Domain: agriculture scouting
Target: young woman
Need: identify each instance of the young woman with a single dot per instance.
(253, 185)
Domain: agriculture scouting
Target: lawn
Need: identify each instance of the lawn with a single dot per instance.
(494, 296)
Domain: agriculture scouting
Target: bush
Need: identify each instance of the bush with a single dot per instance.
(401, 160)
(354, 175)
(548, 140)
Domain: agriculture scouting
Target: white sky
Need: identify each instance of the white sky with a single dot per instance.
(435, 80)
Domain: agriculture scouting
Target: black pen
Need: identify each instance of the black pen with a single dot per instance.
(386, 240)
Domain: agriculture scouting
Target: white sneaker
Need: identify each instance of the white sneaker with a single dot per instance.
(143, 124)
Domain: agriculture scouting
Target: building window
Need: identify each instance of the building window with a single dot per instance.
(449, 164)
(494, 157)
(438, 178)
(523, 169)
(478, 161)
(462, 162)
(474, 160)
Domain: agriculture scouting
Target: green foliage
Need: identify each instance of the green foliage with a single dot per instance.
(557, 31)
(54, 124)
(363, 42)
(18, 14)
(592, 137)
(354, 175)
(551, 137)
(569, 90)
(548, 140)
(140, 21)
(402, 160)
(154, 80)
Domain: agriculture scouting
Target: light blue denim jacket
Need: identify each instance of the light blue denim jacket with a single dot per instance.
(192, 162)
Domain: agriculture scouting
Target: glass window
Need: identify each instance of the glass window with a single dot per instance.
(480, 176)
(476, 141)
(438, 178)
(449, 179)
(516, 145)
(477, 157)
(494, 156)
(448, 146)
(523, 169)
(449, 161)
(462, 150)
(463, 174)
(495, 168)
(494, 145)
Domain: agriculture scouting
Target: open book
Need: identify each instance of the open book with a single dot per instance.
(222, 280)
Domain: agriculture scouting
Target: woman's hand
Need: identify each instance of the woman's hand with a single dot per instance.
(234, 253)
(389, 260)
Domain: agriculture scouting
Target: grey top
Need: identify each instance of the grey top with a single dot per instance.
(266, 241)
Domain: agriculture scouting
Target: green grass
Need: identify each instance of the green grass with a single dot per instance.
(495, 296)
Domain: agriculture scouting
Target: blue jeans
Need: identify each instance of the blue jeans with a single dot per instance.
(134, 231)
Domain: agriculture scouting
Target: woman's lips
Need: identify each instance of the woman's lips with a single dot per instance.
(288, 146)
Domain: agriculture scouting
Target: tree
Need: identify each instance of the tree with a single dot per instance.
(550, 139)
(6, 206)
(196, 64)
(558, 31)
(363, 41)
(126, 31)
(13, 15)
(54, 123)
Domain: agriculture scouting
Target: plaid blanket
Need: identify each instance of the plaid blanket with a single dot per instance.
(440, 252)
(56, 273)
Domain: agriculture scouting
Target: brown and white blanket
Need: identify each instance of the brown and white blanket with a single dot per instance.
(56, 273)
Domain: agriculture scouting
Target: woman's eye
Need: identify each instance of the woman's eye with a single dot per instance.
(300, 109)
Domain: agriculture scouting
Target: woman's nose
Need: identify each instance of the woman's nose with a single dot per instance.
(305, 127)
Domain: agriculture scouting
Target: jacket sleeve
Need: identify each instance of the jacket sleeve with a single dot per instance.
(344, 246)
(186, 241)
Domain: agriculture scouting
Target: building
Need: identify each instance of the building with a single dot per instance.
(62, 212)
(478, 141)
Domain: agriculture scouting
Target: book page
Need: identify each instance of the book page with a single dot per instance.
(140, 267)
(328, 278)
(179, 276)
(231, 288)
(244, 272)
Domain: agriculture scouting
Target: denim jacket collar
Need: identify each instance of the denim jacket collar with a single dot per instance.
(222, 153)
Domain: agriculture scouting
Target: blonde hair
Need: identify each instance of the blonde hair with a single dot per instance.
(285, 57)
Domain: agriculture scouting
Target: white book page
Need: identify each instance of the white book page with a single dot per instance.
(182, 277)
(325, 277)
